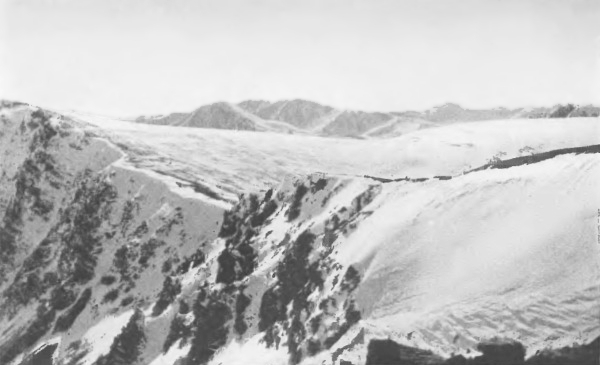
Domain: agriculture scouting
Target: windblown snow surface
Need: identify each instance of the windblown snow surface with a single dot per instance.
(442, 264)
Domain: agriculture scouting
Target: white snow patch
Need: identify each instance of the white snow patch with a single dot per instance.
(170, 357)
(252, 352)
(100, 337)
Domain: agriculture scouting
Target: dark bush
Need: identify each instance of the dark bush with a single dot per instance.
(193, 261)
(260, 218)
(61, 297)
(65, 321)
(184, 308)
(111, 296)
(226, 272)
(107, 280)
(178, 330)
(211, 315)
(127, 346)
(34, 332)
(126, 301)
(242, 302)
(170, 290)
(318, 185)
(166, 266)
(148, 249)
(294, 210)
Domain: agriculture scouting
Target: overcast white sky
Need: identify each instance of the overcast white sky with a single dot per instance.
(143, 57)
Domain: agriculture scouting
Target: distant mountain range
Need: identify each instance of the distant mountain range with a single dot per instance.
(308, 117)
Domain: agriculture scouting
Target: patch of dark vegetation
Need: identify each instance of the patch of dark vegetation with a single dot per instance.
(238, 260)
(148, 249)
(203, 189)
(417, 179)
(127, 301)
(259, 219)
(351, 279)
(190, 262)
(211, 315)
(287, 303)
(141, 230)
(166, 228)
(75, 353)
(166, 266)
(177, 331)
(318, 185)
(121, 261)
(75, 237)
(226, 271)
(42, 356)
(44, 133)
(383, 179)
(107, 280)
(61, 297)
(351, 316)
(111, 296)
(365, 198)
(27, 338)
(198, 188)
(170, 290)
(86, 213)
(241, 303)
(358, 340)
(66, 320)
(28, 195)
(128, 345)
(268, 195)
(297, 278)
(184, 308)
(127, 216)
(294, 209)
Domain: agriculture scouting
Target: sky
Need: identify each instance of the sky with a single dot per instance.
(132, 57)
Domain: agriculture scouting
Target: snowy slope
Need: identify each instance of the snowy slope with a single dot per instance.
(243, 161)
(315, 260)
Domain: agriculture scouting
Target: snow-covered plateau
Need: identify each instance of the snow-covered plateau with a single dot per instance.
(130, 243)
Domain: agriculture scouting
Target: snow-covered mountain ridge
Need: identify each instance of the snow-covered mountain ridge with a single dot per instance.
(309, 118)
(132, 244)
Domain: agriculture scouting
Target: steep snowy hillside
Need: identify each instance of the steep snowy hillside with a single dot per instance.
(125, 243)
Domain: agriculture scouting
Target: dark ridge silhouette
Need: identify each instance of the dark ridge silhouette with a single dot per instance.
(494, 352)
(388, 352)
(538, 157)
(502, 164)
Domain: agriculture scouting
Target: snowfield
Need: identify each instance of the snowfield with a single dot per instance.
(511, 252)
(439, 264)
(240, 161)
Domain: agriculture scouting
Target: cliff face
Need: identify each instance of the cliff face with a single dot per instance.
(104, 261)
